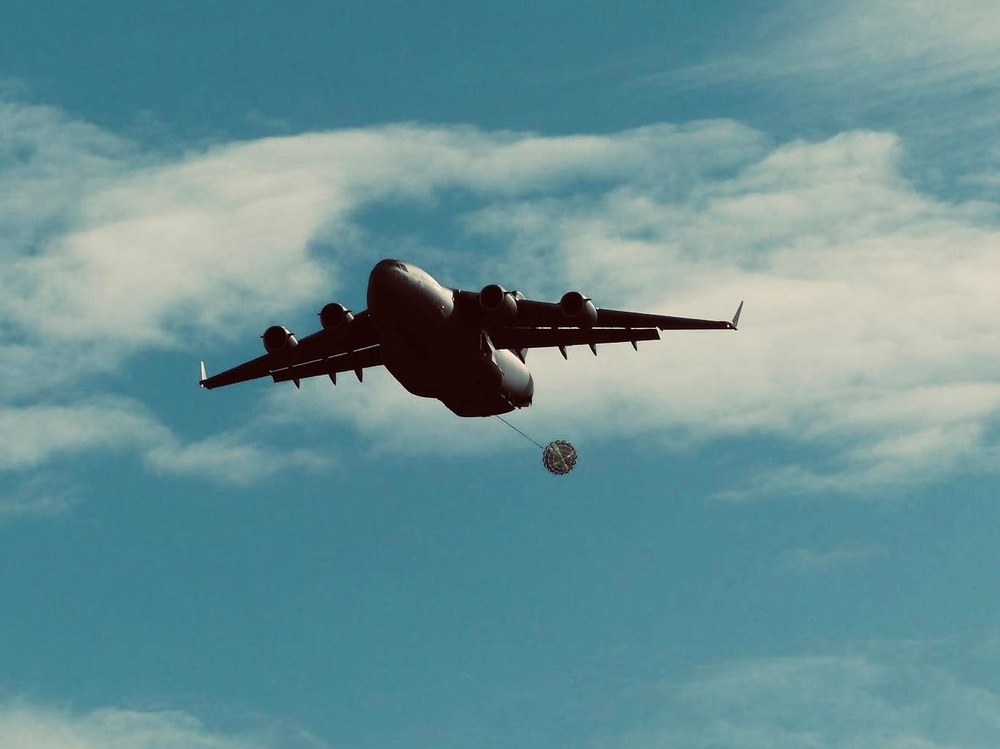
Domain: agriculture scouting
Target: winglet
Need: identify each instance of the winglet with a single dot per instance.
(204, 375)
(736, 318)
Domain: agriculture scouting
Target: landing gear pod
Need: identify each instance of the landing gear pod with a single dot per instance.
(559, 457)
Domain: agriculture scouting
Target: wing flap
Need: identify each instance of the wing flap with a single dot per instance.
(352, 361)
(523, 338)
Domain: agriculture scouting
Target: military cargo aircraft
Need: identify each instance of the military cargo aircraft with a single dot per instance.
(465, 348)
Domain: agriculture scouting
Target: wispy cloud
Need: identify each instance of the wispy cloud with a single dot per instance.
(28, 725)
(929, 69)
(883, 696)
(867, 328)
(40, 432)
(38, 497)
(109, 251)
(898, 46)
(232, 458)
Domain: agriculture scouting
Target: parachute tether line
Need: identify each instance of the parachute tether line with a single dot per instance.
(519, 431)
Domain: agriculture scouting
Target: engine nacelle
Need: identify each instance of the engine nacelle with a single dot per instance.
(278, 339)
(578, 308)
(334, 315)
(497, 302)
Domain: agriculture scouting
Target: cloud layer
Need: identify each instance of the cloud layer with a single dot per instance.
(867, 328)
(883, 695)
(869, 333)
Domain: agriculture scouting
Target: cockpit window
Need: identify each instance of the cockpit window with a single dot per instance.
(392, 263)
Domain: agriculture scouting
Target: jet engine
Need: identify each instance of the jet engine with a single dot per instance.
(578, 308)
(334, 315)
(497, 302)
(278, 339)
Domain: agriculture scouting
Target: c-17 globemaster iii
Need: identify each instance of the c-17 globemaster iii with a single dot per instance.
(465, 348)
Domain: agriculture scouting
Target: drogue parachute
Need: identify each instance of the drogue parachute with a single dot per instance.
(559, 457)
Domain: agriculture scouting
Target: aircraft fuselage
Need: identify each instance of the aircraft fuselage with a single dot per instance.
(436, 351)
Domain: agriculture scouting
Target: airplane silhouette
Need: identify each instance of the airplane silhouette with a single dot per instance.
(465, 348)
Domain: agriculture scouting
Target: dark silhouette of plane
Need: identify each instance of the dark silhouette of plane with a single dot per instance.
(465, 348)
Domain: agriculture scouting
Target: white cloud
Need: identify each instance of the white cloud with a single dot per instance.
(899, 46)
(883, 697)
(926, 41)
(25, 725)
(869, 332)
(112, 249)
(38, 433)
(929, 69)
(109, 252)
(232, 459)
(868, 326)
(39, 497)
(44, 433)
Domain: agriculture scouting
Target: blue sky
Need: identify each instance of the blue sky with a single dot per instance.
(779, 537)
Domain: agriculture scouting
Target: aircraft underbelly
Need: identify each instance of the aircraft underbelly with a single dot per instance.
(459, 374)
(450, 364)
(434, 353)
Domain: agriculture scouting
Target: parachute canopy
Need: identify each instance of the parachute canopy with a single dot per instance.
(559, 457)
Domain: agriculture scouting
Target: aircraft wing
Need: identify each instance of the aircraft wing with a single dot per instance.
(544, 324)
(549, 314)
(352, 346)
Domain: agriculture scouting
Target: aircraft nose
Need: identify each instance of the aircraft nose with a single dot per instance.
(384, 276)
(388, 266)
